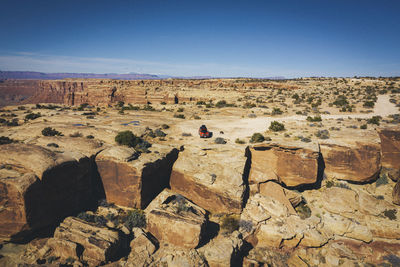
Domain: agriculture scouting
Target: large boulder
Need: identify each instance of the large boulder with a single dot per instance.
(133, 180)
(174, 220)
(223, 251)
(290, 165)
(358, 162)
(212, 177)
(277, 192)
(98, 244)
(390, 146)
(40, 187)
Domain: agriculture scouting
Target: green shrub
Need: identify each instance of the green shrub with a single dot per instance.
(257, 138)
(5, 140)
(180, 110)
(374, 120)
(163, 103)
(48, 131)
(239, 141)
(369, 104)
(314, 119)
(32, 116)
(229, 224)
(276, 111)
(249, 105)
(391, 214)
(165, 126)
(303, 211)
(382, 180)
(51, 259)
(179, 116)
(341, 101)
(90, 136)
(127, 138)
(364, 126)
(199, 103)
(76, 134)
(329, 184)
(135, 218)
(276, 126)
(221, 104)
(69, 260)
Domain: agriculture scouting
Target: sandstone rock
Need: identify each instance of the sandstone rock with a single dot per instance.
(339, 201)
(213, 181)
(174, 220)
(383, 228)
(99, 244)
(142, 247)
(64, 248)
(260, 208)
(292, 166)
(390, 145)
(370, 205)
(40, 187)
(223, 251)
(294, 198)
(276, 191)
(134, 182)
(358, 163)
(396, 193)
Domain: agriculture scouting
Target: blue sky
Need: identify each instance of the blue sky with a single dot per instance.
(217, 38)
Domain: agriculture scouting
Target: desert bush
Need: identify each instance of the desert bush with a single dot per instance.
(165, 126)
(179, 116)
(329, 184)
(196, 117)
(48, 131)
(220, 140)
(276, 111)
(391, 214)
(199, 103)
(322, 134)
(127, 138)
(246, 225)
(52, 145)
(382, 180)
(374, 120)
(69, 260)
(135, 218)
(180, 110)
(148, 108)
(314, 119)
(51, 259)
(341, 101)
(90, 136)
(32, 116)
(159, 133)
(369, 104)
(239, 141)
(303, 211)
(257, 138)
(229, 223)
(364, 126)
(276, 126)
(221, 104)
(5, 140)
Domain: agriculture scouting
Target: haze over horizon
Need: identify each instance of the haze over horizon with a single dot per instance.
(207, 38)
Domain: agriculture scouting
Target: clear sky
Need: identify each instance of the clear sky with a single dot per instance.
(218, 38)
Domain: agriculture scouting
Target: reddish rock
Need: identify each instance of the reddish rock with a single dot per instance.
(292, 166)
(357, 163)
(396, 193)
(134, 182)
(276, 191)
(212, 178)
(390, 146)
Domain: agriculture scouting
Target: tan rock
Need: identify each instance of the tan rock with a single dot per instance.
(142, 247)
(292, 166)
(223, 251)
(174, 220)
(100, 244)
(396, 193)
(371, 205)
(64, 248)
(383, 228)
(339, 201)
(134, 182)
(276, 191)
(213, 181)
(390, 145)
(42, 187)
(358, 162)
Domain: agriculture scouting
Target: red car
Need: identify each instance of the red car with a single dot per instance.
(203, 132)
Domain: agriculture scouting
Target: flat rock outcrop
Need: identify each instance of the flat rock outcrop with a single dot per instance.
(133, 180)
(290, 165)
(212, 177)
(98, 244)
(358, 162)
(390, 145)
(174, 220)
(39, 187)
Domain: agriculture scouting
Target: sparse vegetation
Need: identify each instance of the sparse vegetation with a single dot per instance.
(391, 214)
(239, 141)
(257, 138)
(229, 223)
(48, 131)
(277, 126)
(303, 210)
(135, 218)
(314, 119)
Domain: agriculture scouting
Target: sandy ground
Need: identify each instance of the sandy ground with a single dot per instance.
(233, 127)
